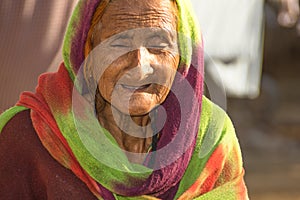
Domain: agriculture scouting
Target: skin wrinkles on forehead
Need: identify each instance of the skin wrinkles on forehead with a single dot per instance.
(125, 18)
(155, 32)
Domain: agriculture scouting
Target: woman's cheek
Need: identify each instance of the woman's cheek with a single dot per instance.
(168, 68)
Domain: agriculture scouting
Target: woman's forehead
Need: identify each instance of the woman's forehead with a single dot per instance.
(122, 15)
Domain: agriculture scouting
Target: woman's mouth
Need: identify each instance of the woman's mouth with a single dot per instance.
(135, 88)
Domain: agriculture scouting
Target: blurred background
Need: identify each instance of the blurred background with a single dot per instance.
(31, 33)
(252, 61)
(269, 125)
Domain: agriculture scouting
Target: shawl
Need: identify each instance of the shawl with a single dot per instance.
(191, 161)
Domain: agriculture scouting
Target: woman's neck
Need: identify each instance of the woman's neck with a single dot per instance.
(133, 134)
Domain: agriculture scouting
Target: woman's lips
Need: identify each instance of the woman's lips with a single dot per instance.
(135, 88)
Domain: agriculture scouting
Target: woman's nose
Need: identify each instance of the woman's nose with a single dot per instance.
(142, 67)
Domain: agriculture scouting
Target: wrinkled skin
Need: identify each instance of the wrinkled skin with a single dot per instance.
(142, 36)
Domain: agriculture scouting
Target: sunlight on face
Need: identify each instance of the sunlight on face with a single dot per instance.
(139, 54)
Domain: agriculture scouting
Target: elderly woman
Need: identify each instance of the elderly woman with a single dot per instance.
(124, 116)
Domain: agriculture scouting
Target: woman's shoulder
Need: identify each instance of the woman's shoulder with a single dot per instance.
(215, 124)
(16, 143)
(28, 171)
(16, 132)
(211, 113)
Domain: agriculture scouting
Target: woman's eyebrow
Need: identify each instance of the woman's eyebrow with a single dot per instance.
(123, 36)
(161, 33)
(154, 36)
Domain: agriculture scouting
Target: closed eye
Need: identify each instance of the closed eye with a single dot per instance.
(121, 43)
(157, 42)
(159, 46)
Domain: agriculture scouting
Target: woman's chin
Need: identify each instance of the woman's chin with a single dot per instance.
(137, 104)
(136, 110)
(139, 111)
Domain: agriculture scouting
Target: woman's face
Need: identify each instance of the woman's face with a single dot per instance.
(138, 39)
